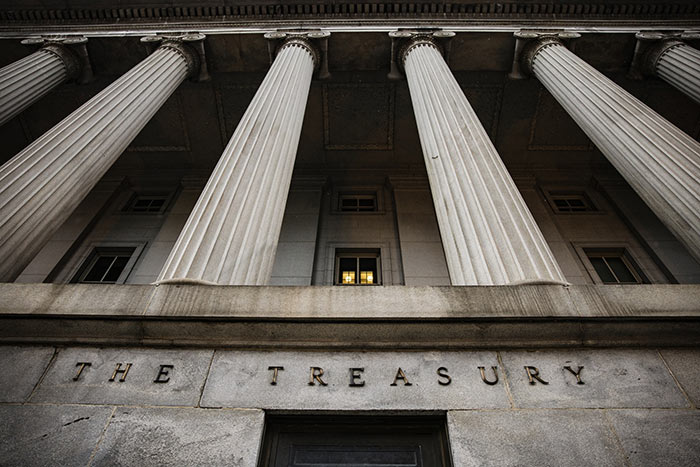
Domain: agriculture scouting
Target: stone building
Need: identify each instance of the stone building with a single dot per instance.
(324, 232)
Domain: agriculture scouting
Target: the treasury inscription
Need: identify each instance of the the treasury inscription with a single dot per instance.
(359, 380)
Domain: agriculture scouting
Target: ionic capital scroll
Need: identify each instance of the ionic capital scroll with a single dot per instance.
(72, 51)
(652, 45)
(529, 43)
(190, 46)
(314, 42)
(404, 41)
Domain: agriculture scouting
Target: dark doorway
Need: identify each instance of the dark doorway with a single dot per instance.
(354, 441)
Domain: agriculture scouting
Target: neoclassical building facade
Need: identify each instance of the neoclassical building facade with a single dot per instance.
(339, 233)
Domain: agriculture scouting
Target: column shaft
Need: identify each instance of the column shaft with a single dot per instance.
(660, 162)
(27, 80)
(231, 235)
(488, 234)
(43, 184)
(679, 65)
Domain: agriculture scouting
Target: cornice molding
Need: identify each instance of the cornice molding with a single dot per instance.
(23, 14)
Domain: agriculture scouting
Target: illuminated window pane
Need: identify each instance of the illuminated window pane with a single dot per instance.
(356, 267)
(348, 277)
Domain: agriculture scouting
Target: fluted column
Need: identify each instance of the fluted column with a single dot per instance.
(660, 162)
(27, 80)
(231, 235)
(678, 64)
(488, 234)
(42, 185)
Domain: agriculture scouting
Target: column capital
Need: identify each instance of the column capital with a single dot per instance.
(314, 42)
(70, 50)
(529, 43)
(405, 40)
(652, 45)
(190, 46)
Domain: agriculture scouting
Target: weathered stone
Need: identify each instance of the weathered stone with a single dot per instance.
(21, 368)
(93, 386)
(685, 366)
(612, 378)
(243, 379)
(633, 300)
(362, 302)
(531, 437)
(167, 436)
(43, 435)
(658, 437)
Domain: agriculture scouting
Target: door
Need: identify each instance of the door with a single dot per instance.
(353, 441)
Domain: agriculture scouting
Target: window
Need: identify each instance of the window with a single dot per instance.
(357, 268)
(357, 202)
(570, 202)
(614, 266)
(106, 266)
(147, 203)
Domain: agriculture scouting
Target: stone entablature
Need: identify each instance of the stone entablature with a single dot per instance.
(21, 13)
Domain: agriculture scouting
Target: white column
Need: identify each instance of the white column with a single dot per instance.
(27, 80)
(488, 234)
(660, 162)
(678, 64)
(231, 235)
(43, 184)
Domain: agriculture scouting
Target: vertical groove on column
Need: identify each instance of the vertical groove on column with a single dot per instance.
(657, 159)
(42, 185)
(680, 66)
(27, 80)
(232, 233)
(489, 235)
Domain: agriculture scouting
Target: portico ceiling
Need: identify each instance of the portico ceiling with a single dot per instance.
(358, 118)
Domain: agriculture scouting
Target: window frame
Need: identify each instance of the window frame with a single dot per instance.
(377, 192)
(586, 252)
(552, 194)
(165, 196)
(95, 251)
(357, 253)
(357, 196)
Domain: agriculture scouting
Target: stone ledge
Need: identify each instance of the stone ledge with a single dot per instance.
(342, 303)
(385, 318)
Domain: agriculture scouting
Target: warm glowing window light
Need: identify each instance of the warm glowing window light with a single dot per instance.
(357, 268)
(348, 277)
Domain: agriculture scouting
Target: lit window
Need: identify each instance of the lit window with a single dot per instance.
(105, 266)
(147, 203)
(357, 202)
(614, 266)
(357, 268)
(570, 202)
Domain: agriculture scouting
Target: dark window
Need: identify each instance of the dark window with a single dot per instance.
(376, 441)
(570, 202)
(614, 266)
(147, 203)
(357, 268)
(357, 202)
(104, 266)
